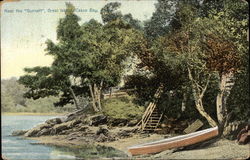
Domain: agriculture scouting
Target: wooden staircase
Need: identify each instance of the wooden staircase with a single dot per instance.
(153, 121)
(151, 117)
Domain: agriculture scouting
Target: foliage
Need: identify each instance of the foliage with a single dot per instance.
(122, 108)
(12, 100)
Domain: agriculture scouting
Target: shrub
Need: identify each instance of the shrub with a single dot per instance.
(122, 108)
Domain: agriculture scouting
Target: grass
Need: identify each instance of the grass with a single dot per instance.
(122, 108)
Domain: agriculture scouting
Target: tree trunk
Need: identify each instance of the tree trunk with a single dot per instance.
(198, 93)
(93, 99)
(99, 96)
(200, 108)
(225, 85)
(74, 98)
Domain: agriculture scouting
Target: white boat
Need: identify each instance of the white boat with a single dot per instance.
(174, 142)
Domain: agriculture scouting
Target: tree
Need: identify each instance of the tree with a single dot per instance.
(226, 45)
(209, 46)
(87, 59)
(110, 13)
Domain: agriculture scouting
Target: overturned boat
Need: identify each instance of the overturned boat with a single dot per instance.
(174, 142)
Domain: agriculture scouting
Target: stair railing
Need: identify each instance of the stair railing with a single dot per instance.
(147, 114)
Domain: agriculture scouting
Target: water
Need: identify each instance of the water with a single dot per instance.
(20, 148)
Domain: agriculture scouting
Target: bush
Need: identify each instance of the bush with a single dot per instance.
(122, 108)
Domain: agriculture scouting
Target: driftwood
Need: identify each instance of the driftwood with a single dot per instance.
(194, 126)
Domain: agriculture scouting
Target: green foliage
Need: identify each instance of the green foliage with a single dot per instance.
(109, 12)
(177, 37)
(84, 55)
(12, 93)
(12, 99)
(238, 102)
(122, 108)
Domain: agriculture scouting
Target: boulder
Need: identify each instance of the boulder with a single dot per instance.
(18, 132)
(60, 127)
(54, 121)
(74, 123)
(83, 128)
(33, 132)
(74, 115)
(98, 120)
(102, 130)
(102, 138)
(132, 122)
(117, 122)
(124, 133)
(43, 132)
(244, 137)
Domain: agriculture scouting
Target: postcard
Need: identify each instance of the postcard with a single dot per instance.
(124, 79)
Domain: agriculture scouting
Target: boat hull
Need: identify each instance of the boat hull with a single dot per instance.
(175, 142)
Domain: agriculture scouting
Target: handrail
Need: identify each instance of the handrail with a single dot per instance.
(151, 107)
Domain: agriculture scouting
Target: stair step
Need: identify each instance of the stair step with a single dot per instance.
(151, 125)
(149, 128)
(155, 122)
(155, 114)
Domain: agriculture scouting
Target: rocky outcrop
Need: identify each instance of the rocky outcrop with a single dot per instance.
(80, 127)
(117, 122)
(98, 120)
(34, 131)
(55, 121)
(133, 122)
(18, 132)
(124, 133)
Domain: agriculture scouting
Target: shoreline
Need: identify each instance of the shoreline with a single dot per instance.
(32, 114)
(120, 144)
(222, 149)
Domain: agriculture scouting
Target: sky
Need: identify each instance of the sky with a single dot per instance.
(26, 25)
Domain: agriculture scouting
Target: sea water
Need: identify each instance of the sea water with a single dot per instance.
(16, 147)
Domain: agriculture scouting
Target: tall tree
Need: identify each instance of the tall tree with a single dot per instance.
(209, 45)
(87, 59)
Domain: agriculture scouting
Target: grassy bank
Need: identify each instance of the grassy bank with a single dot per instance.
(31, 114)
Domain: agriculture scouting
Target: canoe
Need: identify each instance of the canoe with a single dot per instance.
(174, 142)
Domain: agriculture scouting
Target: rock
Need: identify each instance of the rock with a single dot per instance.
(60, 127)
(54, 121)
(65, 132)
(233, 128)
(83, 128)
(112, 138)
(102, 138)
(45, 125)
(102, 130)
(75, 122)
(18, 132)
(117, 122)
(75, 114)
(98, 120)
(132, 122)
(244, 136)
(124, 133)
(43, 132)
(71, 138)
(33, 132)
